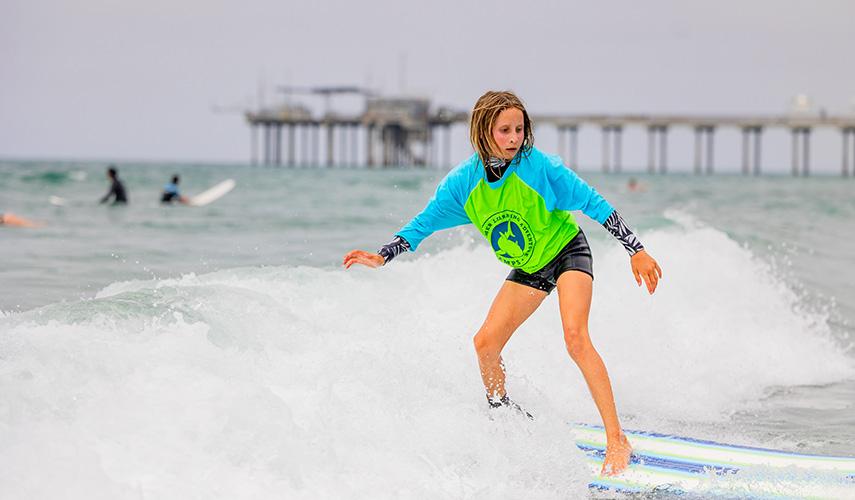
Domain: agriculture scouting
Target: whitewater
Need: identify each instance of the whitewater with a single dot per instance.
(302, 382)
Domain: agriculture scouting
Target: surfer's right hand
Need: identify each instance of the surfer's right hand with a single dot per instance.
(362, 257)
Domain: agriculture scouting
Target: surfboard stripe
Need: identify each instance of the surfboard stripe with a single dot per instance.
(641, 479)
(712, 444)
(662, 462)
(716, 454)
(673, 464)
(664, 457)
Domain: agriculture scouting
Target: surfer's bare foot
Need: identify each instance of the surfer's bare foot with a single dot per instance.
(617, 456)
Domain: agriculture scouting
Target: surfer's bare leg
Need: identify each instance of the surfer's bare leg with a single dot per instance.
(513, 304)
(574, 299)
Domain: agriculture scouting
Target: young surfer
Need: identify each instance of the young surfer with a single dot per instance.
(521, 200)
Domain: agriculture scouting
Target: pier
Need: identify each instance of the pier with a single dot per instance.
(403, 131)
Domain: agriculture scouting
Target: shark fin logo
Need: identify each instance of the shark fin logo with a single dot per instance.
(510, 237)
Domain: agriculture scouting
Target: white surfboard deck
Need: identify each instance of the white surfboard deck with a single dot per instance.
(673, 464)
(212, 194)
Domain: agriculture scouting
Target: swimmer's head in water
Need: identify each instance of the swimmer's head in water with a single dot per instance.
(514, 130)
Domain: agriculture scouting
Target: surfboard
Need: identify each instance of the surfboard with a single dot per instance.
(681, 465)
(56, 201)
(212, 194)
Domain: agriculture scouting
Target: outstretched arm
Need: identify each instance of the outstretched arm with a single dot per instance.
(444, 210)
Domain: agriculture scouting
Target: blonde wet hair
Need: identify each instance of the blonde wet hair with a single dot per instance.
(484, 116)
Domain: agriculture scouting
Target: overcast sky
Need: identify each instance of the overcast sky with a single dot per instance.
(110, 79)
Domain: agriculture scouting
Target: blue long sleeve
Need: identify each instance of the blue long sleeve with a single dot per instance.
(573, 193)
(562, 189)
(444, 210)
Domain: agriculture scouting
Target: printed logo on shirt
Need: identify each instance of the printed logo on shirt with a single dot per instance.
(510, 236)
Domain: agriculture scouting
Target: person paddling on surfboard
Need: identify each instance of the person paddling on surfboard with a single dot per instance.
(171, 192)
(521, 200)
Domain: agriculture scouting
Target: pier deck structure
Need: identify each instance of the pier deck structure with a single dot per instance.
(405, 131)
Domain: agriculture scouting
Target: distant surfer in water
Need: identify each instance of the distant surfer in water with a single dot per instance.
(521, 200)
(117, 189)
(633, 186)
(11, 220)
(171, 193)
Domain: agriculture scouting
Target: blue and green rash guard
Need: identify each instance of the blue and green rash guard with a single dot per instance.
(525, 212)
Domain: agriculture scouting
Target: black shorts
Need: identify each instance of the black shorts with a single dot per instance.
(575, 256)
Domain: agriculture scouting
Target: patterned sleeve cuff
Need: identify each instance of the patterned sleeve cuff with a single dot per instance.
(617, 226)
(394, 248)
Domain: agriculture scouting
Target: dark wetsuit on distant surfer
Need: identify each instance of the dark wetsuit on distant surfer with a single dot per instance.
(117, 189)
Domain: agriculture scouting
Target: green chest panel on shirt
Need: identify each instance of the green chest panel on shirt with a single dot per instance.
(514, 219)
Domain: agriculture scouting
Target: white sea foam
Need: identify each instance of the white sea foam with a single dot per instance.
(297, 382)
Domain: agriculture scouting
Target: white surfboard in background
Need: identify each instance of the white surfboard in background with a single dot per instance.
(57, 201)
(212, 194)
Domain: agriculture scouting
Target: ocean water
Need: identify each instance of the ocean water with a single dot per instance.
(222, 352)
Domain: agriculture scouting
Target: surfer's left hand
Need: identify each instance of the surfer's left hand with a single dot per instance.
(644, 267)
